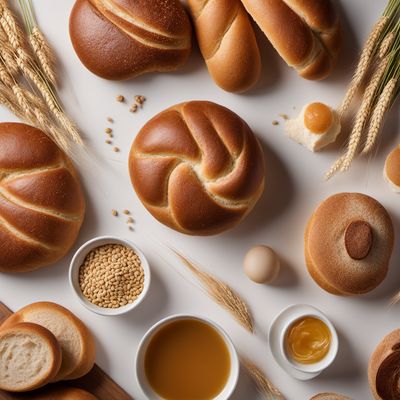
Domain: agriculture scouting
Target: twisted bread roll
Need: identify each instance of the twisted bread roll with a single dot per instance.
(41, 201)
(120, 39)
(383, 369)
(306, 33)
(197, 167)
(348, 244)
(227, 42)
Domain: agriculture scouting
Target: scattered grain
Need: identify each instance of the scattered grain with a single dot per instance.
(130, 220)
(126, 212)
(108, 130)
(140, 99)
(275, 122)
(108, 141)
(109, 119)
(284, 116)
(133, 108)
(114, 213)
(116, 149)
(120, 98)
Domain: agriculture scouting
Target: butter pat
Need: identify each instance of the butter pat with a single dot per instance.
(317, 126)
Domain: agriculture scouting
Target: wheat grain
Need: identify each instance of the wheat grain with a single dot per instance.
(386, 44)
(43, 53)
(221, 293)
(10, 26)
(363, 64)
(8, 100)
(335, 168)
(264, 385)
(363, 114)
(379, 113)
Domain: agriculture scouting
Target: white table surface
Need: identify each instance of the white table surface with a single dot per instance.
(294, 188)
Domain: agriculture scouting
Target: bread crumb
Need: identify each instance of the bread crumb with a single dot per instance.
(284, 116)
(116, 149)
(130, 220)
(133, 108)
(108, 141)
(109, 119)
(275, 122)
(131, 228)
(120, 98)
(114, 213)
(126, 212)
(140, 99)
(108, 130)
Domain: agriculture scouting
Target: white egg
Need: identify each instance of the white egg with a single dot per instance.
(261, 264)
(317, 126)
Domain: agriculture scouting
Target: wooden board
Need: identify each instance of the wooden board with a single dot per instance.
(96, 381)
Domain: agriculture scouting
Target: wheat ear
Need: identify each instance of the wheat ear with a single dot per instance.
(10, 26)
(363, 64)
(378, 114)
(386, 44)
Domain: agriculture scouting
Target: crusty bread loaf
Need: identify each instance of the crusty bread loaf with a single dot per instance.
(329, 396)
(227, 43)
(120, 39)
(306, 33)
(77, 343)
(30, 357)
(197, 167)
(63, 393)
(348, 243)
(383, 369)
(41, 201)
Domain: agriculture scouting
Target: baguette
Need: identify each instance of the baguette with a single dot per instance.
(77, 343)
(227, 42)
(306, 33)
(30, 357)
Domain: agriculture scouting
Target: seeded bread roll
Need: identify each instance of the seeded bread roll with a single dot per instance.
(383, 369)
(348, 244)
(41, 200)
(197, 167)
(30, 357)
(77, 342)
(227, 42)
(120, 39)
(306, 33)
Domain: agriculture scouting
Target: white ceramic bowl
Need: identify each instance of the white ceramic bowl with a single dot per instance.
(78, 259)
(140, 357)
(296, 314)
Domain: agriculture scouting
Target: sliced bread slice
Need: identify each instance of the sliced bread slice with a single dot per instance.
(77, 342)
(30, 357)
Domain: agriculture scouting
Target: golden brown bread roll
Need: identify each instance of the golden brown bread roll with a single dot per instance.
(120, 39)
(391, 171)
(41, 201)
(227, 42)
(383, 369)
(348, 244)
(329, 396)
(197, 167)
(306, 33)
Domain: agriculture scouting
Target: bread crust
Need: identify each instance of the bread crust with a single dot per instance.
(392, 167)
(326, 257)
(121, 39)
(382, 351)
(41, 201)
(88, 351)
(227, 42)
(211, 153)
(329, 396)
(63, 393)
(306, 33)
(54, 346)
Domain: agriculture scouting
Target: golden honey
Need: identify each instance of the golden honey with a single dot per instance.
(308, 340)
(186, 360)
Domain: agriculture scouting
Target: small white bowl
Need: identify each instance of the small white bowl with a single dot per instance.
(140, 357)
(78, 260)
(277, 334)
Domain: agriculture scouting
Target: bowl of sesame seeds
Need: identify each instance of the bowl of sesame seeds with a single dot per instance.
(109, 275)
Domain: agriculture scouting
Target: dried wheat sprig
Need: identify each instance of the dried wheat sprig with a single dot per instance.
(335, 167)
(221, 293)
(386, 44)
(7, 52)
(7, 99)
(363, 114)
(10, 25)
(43, 53)
(378, 114)
(364, 63)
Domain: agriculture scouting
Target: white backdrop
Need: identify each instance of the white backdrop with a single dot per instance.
(294, 188)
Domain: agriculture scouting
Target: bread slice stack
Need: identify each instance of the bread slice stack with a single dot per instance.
(42, 343)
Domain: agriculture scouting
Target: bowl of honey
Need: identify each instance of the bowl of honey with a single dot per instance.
(308, 340)
(187, 357)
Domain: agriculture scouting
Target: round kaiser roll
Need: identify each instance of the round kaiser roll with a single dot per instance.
(197, 167)
(348, 244)
(120, 39)
(383, 368)
(41, 201)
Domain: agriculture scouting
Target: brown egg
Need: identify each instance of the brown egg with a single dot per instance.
(261, 264)
(318, 118)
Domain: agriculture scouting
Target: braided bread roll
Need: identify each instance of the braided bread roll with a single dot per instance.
(227, 42)
(306, 33)
(41, 201)
(120, 39)
(197, 167)
(383, 368)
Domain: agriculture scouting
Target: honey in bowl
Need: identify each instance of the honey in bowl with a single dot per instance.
(187, 359)
(308, 340)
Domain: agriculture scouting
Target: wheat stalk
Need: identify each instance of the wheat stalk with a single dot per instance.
(221, 293)
(386, 44)
(363, 64)
(264, 385)
(378, 114)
